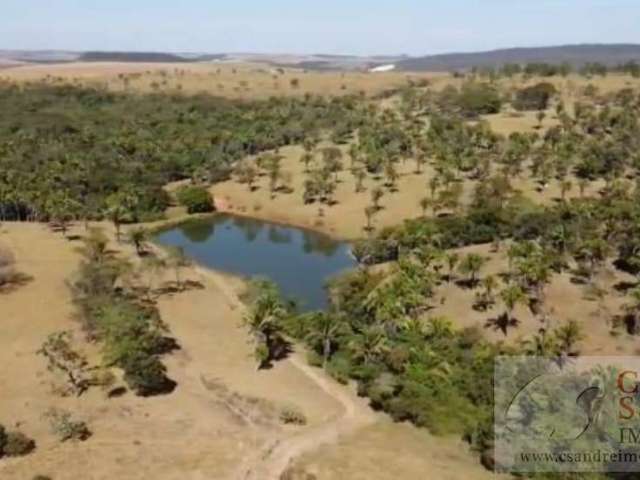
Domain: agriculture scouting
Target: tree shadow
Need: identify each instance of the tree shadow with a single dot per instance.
(502, 323)
(467, 283)
(280, 349)
(624, 286)
(14, 282)
(173, 287)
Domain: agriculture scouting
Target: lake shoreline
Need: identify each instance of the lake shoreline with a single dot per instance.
(299, 260)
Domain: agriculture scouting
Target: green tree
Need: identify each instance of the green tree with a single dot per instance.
(470, 265)
(511, 296)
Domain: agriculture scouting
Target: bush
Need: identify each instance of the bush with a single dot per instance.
(65, 427)
(292, 416)
(478, 99)
(17, 444)
(535, 97)
(146, 375)
(195, 199)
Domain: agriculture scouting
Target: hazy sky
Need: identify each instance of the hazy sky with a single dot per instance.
(313, 26)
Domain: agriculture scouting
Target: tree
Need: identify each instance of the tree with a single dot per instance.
(264, 319)
(178, 260)
(152, 266)
(511, 296)
(565, 186)
(117, 211)
(326, 328)
(425, 203)
(452, 260)
(471, 265)
(368, 345)
(61, 357)
(306, 159)
(139, 236)
(376, 195)
(568, 335)
(195, 199)
(369, 213)
(359, 175)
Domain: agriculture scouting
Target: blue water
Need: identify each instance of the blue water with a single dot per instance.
(299, 261)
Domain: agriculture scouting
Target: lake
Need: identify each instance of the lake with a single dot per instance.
(298, 260)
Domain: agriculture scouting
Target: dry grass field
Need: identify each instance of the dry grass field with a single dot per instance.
(220, 423)
(244, 81)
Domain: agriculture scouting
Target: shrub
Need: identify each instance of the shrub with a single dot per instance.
(146, 375)
(195, 199)
(292, 415)
(17, 444)
(535, 97)
(478, 99)
(65, 427)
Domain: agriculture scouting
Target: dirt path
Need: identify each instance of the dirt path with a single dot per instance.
(273, 460)
(277, 455)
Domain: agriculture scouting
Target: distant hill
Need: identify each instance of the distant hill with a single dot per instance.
(131, 57)
(576, 55)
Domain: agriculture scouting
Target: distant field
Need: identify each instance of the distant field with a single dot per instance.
(256, 80)
(231, 80)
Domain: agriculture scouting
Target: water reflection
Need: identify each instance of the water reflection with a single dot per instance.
(300, 261)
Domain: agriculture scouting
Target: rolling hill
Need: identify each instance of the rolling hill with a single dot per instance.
(576, 55)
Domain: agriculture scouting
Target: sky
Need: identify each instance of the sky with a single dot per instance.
(361, 27)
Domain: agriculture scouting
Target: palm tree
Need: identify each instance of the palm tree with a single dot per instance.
(471, 265)
(326, 328)
(152, 266)
(425, 203)
(306, 159)
(568, 335)
(376, 195)
(565, 186)
(138, 236)
(359, 175)
(369, 212)
(119, 206)
(452, 260)
(511, 296)
(264, 320)
(434, 184)
(178, 260)
(368, 345)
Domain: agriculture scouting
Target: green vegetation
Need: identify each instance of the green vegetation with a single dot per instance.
(82, 153)
(536, 97)
(195, 199)
(14, 443)
(130, 328)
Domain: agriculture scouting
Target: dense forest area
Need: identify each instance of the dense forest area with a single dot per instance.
(68, 152)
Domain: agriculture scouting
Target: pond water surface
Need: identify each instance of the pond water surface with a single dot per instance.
(299, 261)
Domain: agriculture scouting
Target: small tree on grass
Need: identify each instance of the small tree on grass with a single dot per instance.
(178, 260)
(139, 236)
(471, 265)
(15, 443)
(62, 358)
(376, 195)
(264, 320)
(512, 295)
(195, 199)
(65, 427)
(369, 213)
